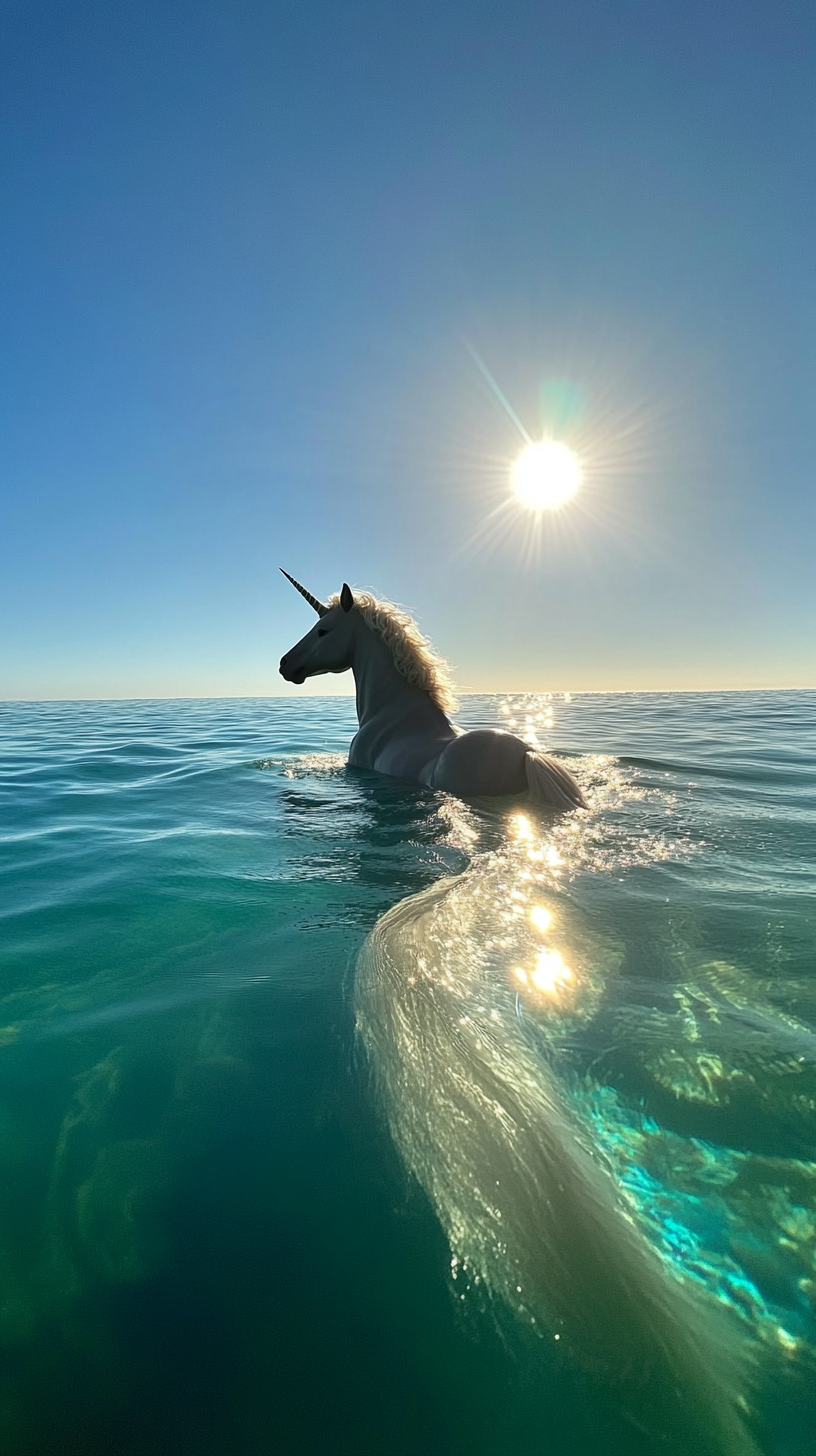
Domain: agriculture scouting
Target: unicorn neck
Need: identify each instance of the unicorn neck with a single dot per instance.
(382, 691)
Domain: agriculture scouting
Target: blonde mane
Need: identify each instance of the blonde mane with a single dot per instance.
(413, 654)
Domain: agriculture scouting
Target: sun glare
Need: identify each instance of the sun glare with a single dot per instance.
(546, 474)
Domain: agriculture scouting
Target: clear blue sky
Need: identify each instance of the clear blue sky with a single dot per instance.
(244, 246)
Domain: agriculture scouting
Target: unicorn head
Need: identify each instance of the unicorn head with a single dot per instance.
(343, 638)
(328, 646)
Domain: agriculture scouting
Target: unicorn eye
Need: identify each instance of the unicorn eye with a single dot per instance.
(322, 631)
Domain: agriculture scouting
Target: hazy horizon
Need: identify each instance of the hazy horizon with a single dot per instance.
(461, 692)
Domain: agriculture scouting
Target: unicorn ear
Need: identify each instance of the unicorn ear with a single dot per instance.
(346, 598)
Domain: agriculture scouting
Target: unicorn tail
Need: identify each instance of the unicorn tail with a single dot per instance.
(526, 1204)
(550, 783)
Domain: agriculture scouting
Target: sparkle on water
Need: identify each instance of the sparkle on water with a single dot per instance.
(546, 475)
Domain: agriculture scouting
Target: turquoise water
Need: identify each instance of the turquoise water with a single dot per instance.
(209, 1242)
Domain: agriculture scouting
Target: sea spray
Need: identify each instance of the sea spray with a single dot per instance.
(482, 1120)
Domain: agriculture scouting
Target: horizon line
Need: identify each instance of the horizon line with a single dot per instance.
(463, 693)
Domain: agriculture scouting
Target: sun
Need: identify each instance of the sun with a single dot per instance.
(546, 474)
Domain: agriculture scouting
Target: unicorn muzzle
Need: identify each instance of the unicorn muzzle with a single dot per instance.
(291, 673)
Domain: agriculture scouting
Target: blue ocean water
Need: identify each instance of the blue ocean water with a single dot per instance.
(209, 1241)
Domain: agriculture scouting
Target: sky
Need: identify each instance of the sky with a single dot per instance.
(261, 263)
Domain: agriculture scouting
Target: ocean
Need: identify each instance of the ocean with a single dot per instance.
(244, 1170)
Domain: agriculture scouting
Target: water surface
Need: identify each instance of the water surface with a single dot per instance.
(208, 1241)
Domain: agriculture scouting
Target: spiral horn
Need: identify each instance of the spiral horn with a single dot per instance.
(313, 602)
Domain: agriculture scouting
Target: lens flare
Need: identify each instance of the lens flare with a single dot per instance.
(546, 474)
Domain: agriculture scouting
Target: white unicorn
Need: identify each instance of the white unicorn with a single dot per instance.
(404, 695)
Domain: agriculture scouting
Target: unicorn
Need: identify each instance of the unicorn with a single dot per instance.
(404, 696)
(487, 1126)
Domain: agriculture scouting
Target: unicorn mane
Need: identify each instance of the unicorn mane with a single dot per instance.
(413, 654)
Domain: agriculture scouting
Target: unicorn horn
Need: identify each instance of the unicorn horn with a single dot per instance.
(313, 602)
